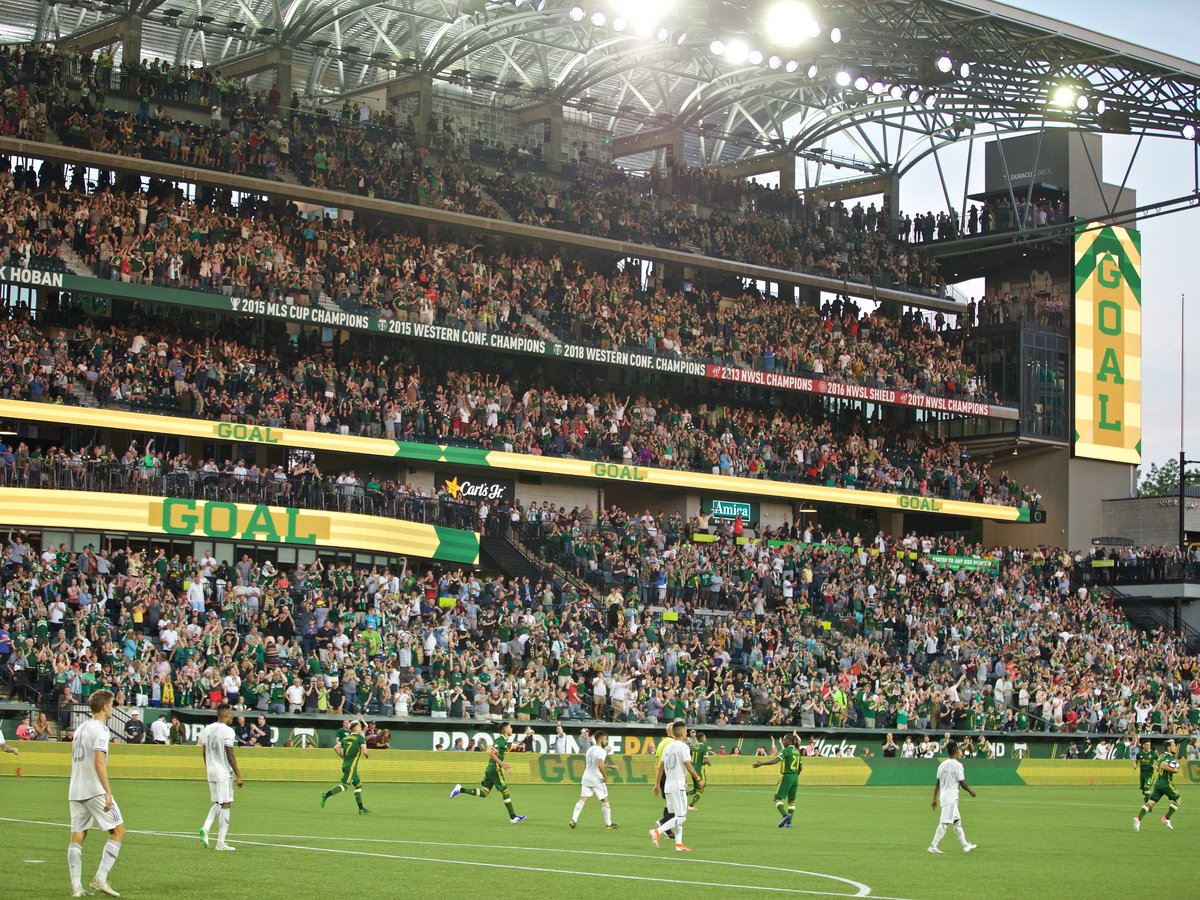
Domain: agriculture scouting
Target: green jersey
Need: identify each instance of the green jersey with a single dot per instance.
(699, 756)
(1147, 763)
(352, 746)
(1166, 777)
(501, 747)
(789, 762)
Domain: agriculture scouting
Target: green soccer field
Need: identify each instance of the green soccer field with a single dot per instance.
(1033, 842)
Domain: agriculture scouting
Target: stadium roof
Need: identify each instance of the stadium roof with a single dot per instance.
(912, 72)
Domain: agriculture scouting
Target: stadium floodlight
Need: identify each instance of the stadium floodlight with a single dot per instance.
(896, 92)
(1101, 106)
(835, 35)
(813, 69)
(930, 100)
(945, 64)
(843, 78)
(774, 62)
(913, 96)
(755, 57)
(1063, 96)
(663, 34)
(716, 48)
(682, 36)
(736, 51)
(577, 14)
(1081, 102)
(861, 83)
(599, 18)
(788, 22)
(618, 24)
(1189, 131)
(878, 88)
(964, 71)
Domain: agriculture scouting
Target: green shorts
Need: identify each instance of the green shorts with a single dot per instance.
(350, 775)
(1161, 790)
(787, 788)
(1147, 783)
(494, 778)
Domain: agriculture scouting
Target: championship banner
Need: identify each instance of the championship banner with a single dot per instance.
(1108, 343)
(441, 456)
(450, 336)
(213, 520)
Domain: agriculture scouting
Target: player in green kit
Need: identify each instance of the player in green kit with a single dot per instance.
(351, 747)
(1147, 762)
(1164, 786)
(700, 754)
(495, 774)
(789, 778)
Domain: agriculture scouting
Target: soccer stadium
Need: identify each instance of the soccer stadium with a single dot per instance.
(733, 433)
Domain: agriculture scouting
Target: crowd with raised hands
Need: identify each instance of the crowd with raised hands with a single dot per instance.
(828, 632)
(356, 151)
(222, 376)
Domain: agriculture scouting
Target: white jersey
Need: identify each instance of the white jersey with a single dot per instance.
(91, 736)
(675, 760)
(215, 738)
(949, 774)
(593, 774)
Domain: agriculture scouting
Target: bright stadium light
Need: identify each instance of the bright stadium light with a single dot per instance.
(812, 70)
(861, 83)
(1189, 131)
(945, 64)
(1081, 102)
(599, 18)
(618, 24)
(1101, 106)
(663, 34)
(835, 35)
(716, 48)
(843, 78)
(577, 14)
(878, 88)
(789, 23)
(643, 28)
(964, 71)
(774, 62)
(930, 100)
(755, 57)
(736, 51)
(1063, 97)
(913, 96)
(680, 38)
(896, 92)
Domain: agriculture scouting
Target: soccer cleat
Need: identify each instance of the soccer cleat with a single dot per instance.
(1137, 824)
(103, 887)
(324, 797)
(571, 824)
(225, 847)
(363, 811)
(788, 825)
(613, 825)
(1167, 822)
(969, 848)
(516, 820)
(654, 837)
(80, 892)
(680, 848)
(691, 809)
(204, 835)
(785, 822)
(457, 790)
(934, 850)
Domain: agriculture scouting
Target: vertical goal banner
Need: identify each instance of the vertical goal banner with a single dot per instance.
(1108, 343)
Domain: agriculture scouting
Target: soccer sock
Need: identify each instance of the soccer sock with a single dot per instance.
(679, 834)
(474, 792)
(336, 789)
(669, 824)
(223, 819)
(358, 797)
(578, 811)
(1171, 810)
(75, 863)
(779, 806)
(212, 814)
(604, 808)
(962, 837)
(938, 835)
(791, 810)
(111, 851)
(512, 813)
(1145, 811)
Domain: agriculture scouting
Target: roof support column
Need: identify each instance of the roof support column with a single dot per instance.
(550, 115)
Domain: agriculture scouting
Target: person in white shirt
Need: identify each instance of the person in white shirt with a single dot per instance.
(160, 731)
(595, 781)
(950, 778)
(92, 803)
(673, 770)
(217, 741)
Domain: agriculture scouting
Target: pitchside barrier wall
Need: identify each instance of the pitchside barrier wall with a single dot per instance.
(53, 760)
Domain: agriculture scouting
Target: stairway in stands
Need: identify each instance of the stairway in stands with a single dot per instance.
(1150, 615)
(501, 554)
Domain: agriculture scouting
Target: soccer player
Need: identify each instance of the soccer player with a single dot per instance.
(950, 778)
(1146, 764)
(789, 778)
(92, 803)
(351, 748)
(494, 775)
(595, 781)
(668, 739)
(1164, 786)
(700, 754)
(673, 769)
(217, 741)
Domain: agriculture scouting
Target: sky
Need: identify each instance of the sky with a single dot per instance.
(1162, 170)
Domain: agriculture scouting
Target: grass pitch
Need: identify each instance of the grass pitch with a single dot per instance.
(867, 842)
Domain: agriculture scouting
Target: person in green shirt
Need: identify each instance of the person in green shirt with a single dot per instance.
(495, 776)
(1146, 763)
(789, 778)
(1164, 786)
(700, 754)
(351, 748)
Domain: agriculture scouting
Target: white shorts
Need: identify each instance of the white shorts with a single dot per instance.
(677, 802)
(950, 813)
(89, 814)
(221, 791)
(594, 790)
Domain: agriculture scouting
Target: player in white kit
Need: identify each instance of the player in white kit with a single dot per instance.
(595, 781)
(950, 777)
(217, 741)
(92, 803)
(673, 770)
